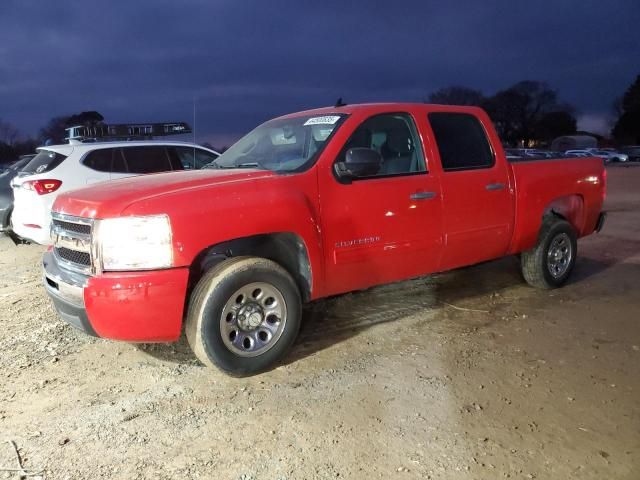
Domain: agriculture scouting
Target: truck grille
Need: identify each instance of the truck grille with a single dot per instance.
(81, 258)
(72, 242)
(73, 227)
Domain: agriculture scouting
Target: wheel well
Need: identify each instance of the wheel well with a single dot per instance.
(569, 208)
(285, 248)
(549, 215)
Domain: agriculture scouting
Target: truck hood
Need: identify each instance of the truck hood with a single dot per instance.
(110, 199)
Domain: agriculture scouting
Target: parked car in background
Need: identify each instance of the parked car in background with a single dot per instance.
(633, 152)
(61, 168)
(6, 194)
(531, 153)
(544, 154)
(573, 142)
(512, 153)
(578, 153)
(306, 206)
(609, 154)
(16, 164)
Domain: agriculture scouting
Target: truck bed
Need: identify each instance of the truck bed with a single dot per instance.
(570, 186)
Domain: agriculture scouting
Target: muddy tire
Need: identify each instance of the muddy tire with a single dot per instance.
(550, 262)
(244, 315)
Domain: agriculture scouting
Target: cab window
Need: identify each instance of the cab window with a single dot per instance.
(394, 137)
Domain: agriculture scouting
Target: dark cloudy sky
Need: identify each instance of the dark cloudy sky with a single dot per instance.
(246, 61)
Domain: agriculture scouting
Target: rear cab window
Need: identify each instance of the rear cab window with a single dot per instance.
(462, 141)
(44, 161)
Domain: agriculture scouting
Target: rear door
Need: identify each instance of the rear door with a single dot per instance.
(144, 159)
(386, 226)
(477, 195)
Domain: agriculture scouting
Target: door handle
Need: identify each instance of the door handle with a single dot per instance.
(495, 186)
(422, 195)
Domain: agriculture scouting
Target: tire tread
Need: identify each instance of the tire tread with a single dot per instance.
(204, 289)
(532, 261)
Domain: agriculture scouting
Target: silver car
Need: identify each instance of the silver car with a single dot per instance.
(609, 154)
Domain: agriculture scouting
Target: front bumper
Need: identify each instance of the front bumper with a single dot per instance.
(131, 306)
(66, 290)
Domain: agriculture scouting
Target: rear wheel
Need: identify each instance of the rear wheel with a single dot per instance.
(550, 262)
(244, 315)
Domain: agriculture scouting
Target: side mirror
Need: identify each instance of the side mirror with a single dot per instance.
(359, 162)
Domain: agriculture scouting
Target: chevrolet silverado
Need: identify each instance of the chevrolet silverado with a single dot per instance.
(305, 206)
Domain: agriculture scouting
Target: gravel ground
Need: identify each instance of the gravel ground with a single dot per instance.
(465, 375)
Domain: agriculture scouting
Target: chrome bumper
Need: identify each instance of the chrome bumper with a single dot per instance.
(67, 286)
(66, 290)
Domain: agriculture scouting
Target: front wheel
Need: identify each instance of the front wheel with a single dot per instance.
(244, 315)
(550, 262)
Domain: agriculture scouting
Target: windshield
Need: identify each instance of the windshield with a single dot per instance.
(286, 145)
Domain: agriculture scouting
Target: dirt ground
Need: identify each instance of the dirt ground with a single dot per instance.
(465, 375)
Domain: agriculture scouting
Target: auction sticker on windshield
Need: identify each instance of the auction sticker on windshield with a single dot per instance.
(326, 120)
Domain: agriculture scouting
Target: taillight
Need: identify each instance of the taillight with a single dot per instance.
(42, 187)
(604, 184)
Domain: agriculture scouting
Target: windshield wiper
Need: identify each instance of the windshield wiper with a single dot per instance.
(212, 165)
(248, 165)
(242, 165)
(239, 165)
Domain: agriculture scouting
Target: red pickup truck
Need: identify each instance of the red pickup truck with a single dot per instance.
(308, 205)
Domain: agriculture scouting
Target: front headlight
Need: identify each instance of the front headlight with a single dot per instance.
(134, 243)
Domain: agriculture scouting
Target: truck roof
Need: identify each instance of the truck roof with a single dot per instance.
(382, 106)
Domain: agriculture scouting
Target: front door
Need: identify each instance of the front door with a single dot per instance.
(385, 226)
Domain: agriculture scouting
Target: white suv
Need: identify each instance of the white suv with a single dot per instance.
(60, 168)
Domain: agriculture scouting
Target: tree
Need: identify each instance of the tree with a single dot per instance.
(506, 110)
(8, 142)
(8, 133)
(627, 127)
(616, 107)
(54, 131)
(523, 111)
(555, 124)
(457, 95)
